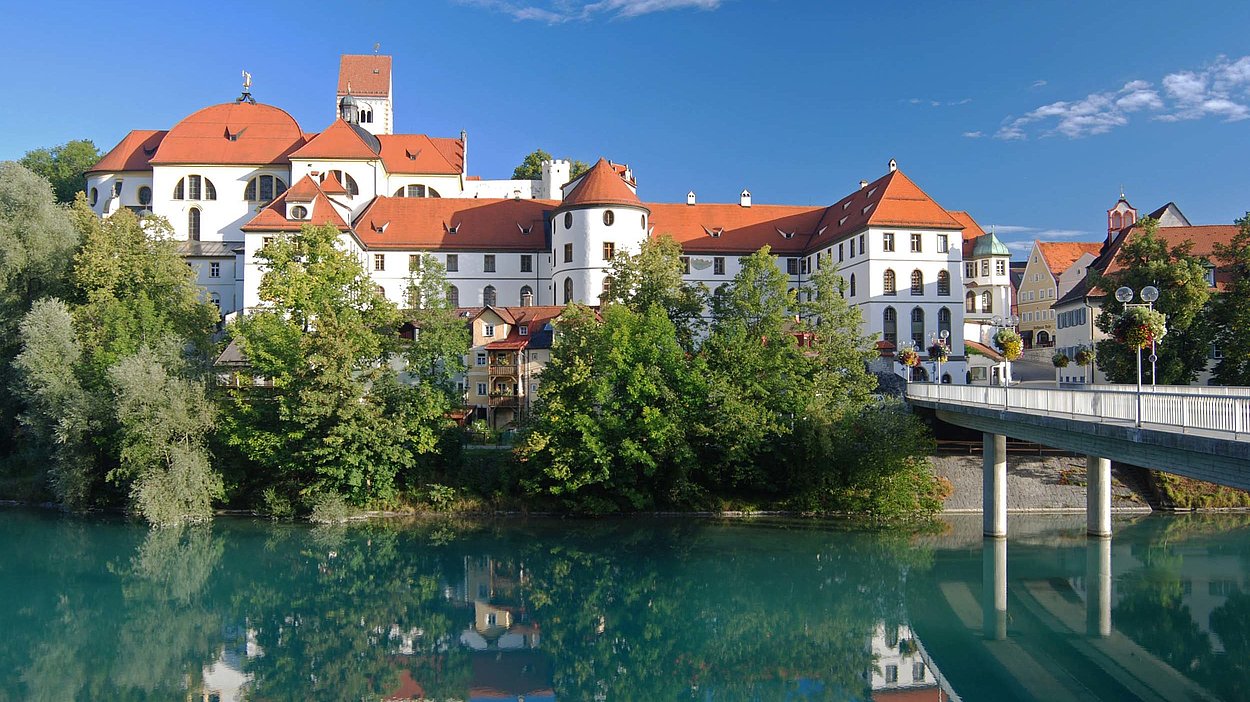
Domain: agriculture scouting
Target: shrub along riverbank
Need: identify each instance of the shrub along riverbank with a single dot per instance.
(111, 400)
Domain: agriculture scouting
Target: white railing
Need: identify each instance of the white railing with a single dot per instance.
(1217, 390)
(1208, 410)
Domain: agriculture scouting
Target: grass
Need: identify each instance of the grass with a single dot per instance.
(1187, 493)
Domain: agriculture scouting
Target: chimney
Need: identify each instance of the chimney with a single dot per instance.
(863, 184)
(745, 200)
(464, 152)
(893, 165)
(690, 198)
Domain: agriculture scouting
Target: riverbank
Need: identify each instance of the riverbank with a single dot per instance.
(1034, 484)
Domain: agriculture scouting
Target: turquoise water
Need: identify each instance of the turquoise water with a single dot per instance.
(644, 609)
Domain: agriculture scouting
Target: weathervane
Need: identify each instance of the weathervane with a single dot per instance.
(247, 89)
(376, 45)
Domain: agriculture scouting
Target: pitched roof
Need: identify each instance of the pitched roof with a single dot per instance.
(534, 318)
(478, 224)
(273, 218)
(601, 185)
(132, 153)
(731, 228)
(369, 75)
(341, 140)
(1060, 255)
(1203, 239)
(418, 153)
(232, 133)
(979, 348)
(892, 200)
(332, 186)
(972, 230)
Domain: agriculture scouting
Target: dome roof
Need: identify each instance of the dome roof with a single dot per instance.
(232, 133)
(989, 245)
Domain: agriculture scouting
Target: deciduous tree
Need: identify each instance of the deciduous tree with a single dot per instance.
(64, 166)
(1231, 309)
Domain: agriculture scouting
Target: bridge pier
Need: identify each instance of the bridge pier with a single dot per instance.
(1098, 496)
(994, 484)
(994, 589)
(1098, 587)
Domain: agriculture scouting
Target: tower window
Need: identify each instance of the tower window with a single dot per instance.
(987, 302)
(95, 194)
(609, 250)
(608, 218)
(568, 253)
(1000, 267)
(568, 220)
(970, 302)
(852, 285)
(568, 290)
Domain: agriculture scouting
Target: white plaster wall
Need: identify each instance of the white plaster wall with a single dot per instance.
(447, 186)
(129, 197)
(528, 189)
(471, 279)
(588, 235)
(221, 219)
(370, 177)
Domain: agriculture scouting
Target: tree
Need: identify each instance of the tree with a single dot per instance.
(64, 166)
(1230, 311)
(840, 349)
(1146, 259)
(440, 338)
(653, 277)
(531, 166)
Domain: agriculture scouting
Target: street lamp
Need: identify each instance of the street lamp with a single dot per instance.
(1148, 295)
(1008, 322)
(939, 339)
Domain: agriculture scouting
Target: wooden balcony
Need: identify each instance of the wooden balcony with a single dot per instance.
(504, 399)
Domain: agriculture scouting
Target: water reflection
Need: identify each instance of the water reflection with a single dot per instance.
(658, 610)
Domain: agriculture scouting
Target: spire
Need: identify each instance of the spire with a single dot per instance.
(247, 89)
(348, 110)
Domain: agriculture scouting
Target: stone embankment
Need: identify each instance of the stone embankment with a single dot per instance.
(1035, 484)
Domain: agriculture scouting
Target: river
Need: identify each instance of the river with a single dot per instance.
(96, 608)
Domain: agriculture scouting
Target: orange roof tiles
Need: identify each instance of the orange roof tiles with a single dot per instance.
(737, 229)
(232, 133)
(332, 186)
(273, 218)
(892, 200)
(1203, 239)
(305, 190)
(418, 153)
(368, 75)
(972, 230)
(601, 185)
(132, 153)
(1060, 255)
(478, 224)
(339, 140)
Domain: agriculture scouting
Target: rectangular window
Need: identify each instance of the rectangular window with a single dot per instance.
(985, 267)
(453, 263)
(379, 262)
(488, 263)
(609, 250)
(488, 330)
(1000, 267)
(970, 269)
(807, 265)
(887, 241)
(481, 389)
(481, 358)
(1211, 277)
(915, 243)
(851, 246)
(891, 674)
(568, 253)
(523, 330)
(1216, 352)
(943, 243)
(414, 262)
(527, 263)
(685, 265)
(842, 258)
(792, 266)
(193, 187)
(861, 244)
(214, 269)
(718, 265)
(820, 259)
(917, 672)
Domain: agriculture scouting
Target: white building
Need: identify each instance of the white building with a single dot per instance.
(230, 176)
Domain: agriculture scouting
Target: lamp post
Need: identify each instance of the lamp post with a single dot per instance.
(938, 339)
(1148, 295)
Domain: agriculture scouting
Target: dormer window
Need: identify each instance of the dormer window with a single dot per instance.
(1210, 275)
(488, 330)
(523, 330)
(299, 212)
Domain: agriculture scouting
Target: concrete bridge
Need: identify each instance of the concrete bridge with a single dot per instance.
(1196, 432)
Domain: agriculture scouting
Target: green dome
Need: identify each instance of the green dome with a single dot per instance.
(989, 245)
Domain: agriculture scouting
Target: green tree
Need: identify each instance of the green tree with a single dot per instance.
(440, 338)
(653, 277)
(1230, 311)
(1146, 259)
(610, 425)
(64, 166)
(530, 167)
(839, 349)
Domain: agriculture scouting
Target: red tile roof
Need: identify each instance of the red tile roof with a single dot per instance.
(1203, 239)
(972, 230)
(305, 190)
(132, 153)
(892, 200)
(262, 134)
(418, 153)
(731, 228)
(369, 75)
(1060, 255)
(601, 185)
(273, 218)
(332, 186)
(479, 223)
(339, 140)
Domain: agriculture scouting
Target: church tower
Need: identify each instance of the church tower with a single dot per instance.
(367, 80)
(1120, 216)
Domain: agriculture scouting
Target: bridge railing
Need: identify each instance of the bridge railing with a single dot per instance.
(1205, 409)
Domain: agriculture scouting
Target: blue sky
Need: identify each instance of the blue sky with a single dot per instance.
(1029, 115)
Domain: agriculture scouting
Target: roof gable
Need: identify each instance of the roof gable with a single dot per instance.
(1060, 255)
(273, 217)
(892, 200)
(341, 140)
(601, 185)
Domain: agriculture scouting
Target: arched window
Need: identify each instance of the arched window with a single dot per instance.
(95, 194)
(889, 325)
(987, 302)
(1116, 223)
(944, 283)
(365, 115)
(527, 296)
(970, 302)
(608, 218)
(944, 320)
(568, 290)
(215, 300)
(917, 326)
(381, 291)
(263, 188)
(1130, 217)
(644, 222)
(852, 285)
(453, 296)
(488, 296)
(193, 224)
(145, 196)
(416, 190)
(891, 285)
(568, 220)
(917, 282)
(195, 187)
(345, 179)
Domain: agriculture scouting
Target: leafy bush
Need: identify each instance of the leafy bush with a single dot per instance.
(330, 508)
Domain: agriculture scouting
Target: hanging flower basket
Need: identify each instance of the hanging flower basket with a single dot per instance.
(1139, 326)
(909, 358)
(1009, 343)
(940, 353)
(1060, 360)
(1085, 356)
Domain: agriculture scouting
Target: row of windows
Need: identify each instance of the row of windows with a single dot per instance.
(987, 302)
(889, 325)
(145, 194)
(1040, 316)
(1073, 318)
(609, 218)
(970, 268)
(890, 283)
(416, 191)
(1032, 295)
(453, 262)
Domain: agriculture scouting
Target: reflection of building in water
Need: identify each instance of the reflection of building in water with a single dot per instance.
(900, 671)
(500, 617)
(225, 680)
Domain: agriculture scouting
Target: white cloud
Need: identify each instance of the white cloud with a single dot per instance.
(1011, 229)
(1038, 84)
(1019, 246)
(940, 103)
(1220, 90)
(1048, 234)
(974, 135)
(557, 11)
